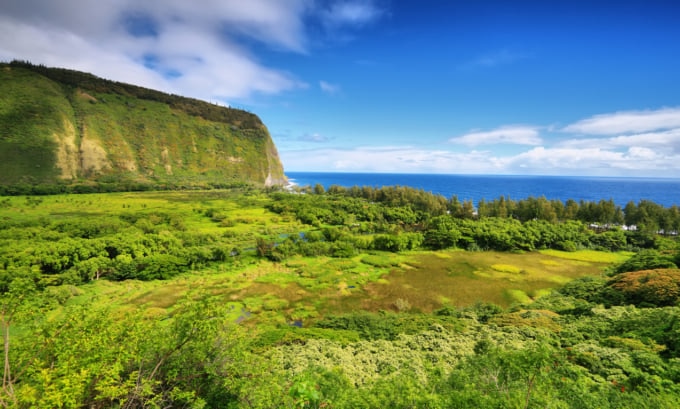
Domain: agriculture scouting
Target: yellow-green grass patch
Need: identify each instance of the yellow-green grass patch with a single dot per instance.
(463, 278)
(506, 268)
(518, 295)
(590, 256)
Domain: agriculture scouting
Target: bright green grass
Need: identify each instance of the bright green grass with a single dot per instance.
(246, 215)
(590, 256)
(306, 287)
(463, 278)
(506, 268)
(518, 295)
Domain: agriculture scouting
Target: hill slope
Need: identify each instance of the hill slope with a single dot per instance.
(66, 127)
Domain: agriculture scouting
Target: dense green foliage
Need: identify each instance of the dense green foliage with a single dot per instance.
(240, 298)
(67, 131)
(404, 218)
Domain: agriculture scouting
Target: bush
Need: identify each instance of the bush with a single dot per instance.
(585, 288)
(649, 288)
(645, 260)
(566, 246)
(379, 261)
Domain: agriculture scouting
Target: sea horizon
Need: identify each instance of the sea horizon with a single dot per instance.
(620, 189)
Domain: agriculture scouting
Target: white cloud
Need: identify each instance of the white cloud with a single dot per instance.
(314, 137)
(563, 158)
(647, 153)
(512, 134)
(399, 159)
(626, 122)
(636, 161)
(640, 153)
(329, 88)
(663, 140)
(351, 12)
(196, 49)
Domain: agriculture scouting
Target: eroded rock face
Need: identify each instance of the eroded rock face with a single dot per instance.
(67, 151)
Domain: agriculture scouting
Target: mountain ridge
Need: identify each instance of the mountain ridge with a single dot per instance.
(65, 127)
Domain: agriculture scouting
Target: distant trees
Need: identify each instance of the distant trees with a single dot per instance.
(339, 222)
(502, 224)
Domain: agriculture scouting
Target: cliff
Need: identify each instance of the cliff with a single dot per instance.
(66, 127)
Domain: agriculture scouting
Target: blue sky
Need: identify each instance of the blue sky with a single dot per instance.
(480, 87)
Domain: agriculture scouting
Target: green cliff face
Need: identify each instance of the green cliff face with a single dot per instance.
(60, 126)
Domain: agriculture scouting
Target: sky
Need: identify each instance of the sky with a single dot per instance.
(461, 87)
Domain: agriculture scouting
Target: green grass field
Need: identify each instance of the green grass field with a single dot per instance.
(304, 287)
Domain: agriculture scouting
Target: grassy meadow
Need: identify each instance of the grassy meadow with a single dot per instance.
(302, 288)
(419, 282)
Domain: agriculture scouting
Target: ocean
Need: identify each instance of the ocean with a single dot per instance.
(621, 190)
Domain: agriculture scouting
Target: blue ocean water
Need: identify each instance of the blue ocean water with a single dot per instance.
(665, 192)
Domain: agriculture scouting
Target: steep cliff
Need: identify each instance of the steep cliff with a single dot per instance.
(66, 127)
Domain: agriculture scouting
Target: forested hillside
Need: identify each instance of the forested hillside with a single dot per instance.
(346, 298)
(63, 130)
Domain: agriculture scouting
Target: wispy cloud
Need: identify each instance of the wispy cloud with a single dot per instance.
(351, 12)
(202, 50)
(197, 44)
(557, 152)
(401, 159)
(651, 138)
(635, 161)
(627, 122)
(314, 137)
(510, 134)
(499, 57)
(329, 88)
(661, 140)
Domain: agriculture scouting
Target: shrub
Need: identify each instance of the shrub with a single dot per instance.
(566, 246)
(645, 260)
(649, 288)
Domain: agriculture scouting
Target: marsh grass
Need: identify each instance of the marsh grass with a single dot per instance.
(308, 288)
(463, 278)
(302, 287)
(589, 256)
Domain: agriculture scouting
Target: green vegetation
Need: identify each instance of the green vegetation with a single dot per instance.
(67, 131)
(343, 298)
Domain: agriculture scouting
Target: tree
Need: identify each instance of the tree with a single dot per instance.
(455, 208)
(264, 247)
(660, 287)
(630, 214)
(504, 378)
(441, 233)
(319, 189)
(19, 295)
(570, 210)
(645, 260)
(611, 240)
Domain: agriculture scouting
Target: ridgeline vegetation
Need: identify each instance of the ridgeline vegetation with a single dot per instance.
(66, 131)
(337, 298)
